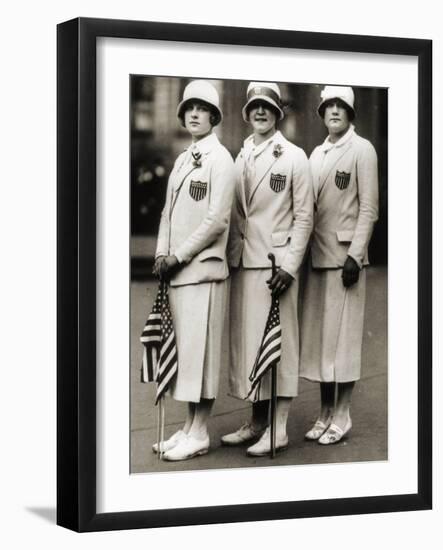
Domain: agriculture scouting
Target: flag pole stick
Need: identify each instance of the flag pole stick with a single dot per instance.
(158, 432)
(273, 407)
(336, 344)
(162, 425)
(273, 404)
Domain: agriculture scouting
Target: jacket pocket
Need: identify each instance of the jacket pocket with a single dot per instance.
(280, 238)
(345, 236)
(210, 254)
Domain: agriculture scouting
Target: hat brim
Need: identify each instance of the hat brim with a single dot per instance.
(267, 100)
(182, 105)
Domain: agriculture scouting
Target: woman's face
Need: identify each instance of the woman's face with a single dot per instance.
(197, 119)
(262, 117)
(336, 118)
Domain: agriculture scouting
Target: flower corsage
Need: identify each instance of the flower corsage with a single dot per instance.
(278, 150)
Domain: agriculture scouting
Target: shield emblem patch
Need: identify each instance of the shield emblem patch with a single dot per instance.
(277, 182)
(342, 179)
(198, 190)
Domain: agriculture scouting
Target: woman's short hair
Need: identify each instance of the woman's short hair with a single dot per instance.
(214, 117)
(340, 103)
(267, 106)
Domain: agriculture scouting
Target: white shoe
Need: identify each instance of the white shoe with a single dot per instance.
(263, 445)
(318, 429)
(334, 433)
(170, 443)
(245, 433)
(187, 447)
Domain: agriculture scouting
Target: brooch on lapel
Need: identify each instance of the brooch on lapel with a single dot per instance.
(196, 159)
(198, 190)
(277, 182)
(342, 179)
(278, 150)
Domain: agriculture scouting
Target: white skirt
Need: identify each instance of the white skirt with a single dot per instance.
(331, 329)
(198, 312)
(249, 309)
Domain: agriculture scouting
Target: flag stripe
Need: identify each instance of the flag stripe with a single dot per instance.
(165, 372)
(268, 353)
(166, 362)
(272, 358)
(264, 347)
(166, 349)
(275, 333)
(155, 338)
(162, 388)
(150, 328)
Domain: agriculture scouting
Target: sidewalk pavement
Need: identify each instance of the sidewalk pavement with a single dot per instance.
(367, 440)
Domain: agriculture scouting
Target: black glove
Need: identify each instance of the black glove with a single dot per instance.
(280, 282)
(350, 272)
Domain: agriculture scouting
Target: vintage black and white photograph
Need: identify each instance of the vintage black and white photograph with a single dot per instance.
(259, 265)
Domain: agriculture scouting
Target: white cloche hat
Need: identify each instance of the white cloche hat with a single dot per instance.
(344, 93)
(266, 91)
(203, 91)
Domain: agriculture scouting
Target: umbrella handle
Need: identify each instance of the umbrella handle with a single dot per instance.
(274, 267)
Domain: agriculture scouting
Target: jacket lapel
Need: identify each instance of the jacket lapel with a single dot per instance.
(261, 178)
(331, 160)
(178, 184)
(184, 171)
(271, 160)
(240, 188)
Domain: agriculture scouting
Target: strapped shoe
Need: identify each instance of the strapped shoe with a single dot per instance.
(245, 433)
(170, 443)
(318, 429)
(187, 447)
(334, 433)
(263, 445)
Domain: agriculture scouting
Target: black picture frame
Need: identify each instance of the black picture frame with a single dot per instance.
(76, 280)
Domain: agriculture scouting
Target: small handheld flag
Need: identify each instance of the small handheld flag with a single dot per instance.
(268, 357)
(160, 357)
(269, 353)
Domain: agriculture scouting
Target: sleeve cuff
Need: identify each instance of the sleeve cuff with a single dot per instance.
(291, 272)
(179, 258)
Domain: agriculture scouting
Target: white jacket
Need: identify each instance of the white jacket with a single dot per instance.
(346, 200)
(278, 215)
(194, 224)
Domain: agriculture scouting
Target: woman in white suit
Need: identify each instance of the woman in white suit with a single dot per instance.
(191, 255)
(344, 170)
(272, 212)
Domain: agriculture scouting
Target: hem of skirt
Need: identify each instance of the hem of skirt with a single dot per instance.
(188, 400)
(312, 379)
(247, 399)
(236, 396)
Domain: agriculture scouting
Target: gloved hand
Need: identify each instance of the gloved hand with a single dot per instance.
(165, 267)
(159, 266)
(281, 281)
(350, 273)
(170, 266)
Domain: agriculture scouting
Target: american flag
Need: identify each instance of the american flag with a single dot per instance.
(269, 353)
(160, 357)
